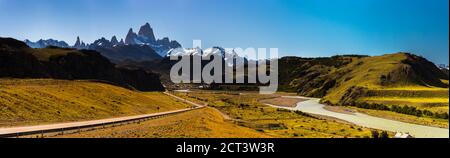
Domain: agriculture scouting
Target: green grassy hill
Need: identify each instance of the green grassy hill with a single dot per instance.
(399, 70)
(392, 79)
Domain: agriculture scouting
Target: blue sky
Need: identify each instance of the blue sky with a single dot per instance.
(296, 27)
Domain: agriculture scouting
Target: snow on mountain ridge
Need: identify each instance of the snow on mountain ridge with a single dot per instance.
(229, 56)
(45, 43)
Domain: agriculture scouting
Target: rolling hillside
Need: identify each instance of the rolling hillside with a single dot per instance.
(38, 101)
(392, 79)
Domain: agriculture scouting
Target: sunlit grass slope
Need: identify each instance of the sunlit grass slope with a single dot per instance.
(25, 102)
(368, 73)
(389, 80)
(429, 98)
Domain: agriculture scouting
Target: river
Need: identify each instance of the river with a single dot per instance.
(313, 106)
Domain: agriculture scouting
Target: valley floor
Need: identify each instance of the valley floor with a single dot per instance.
(246, 110)
(201, 123)
(229, 115)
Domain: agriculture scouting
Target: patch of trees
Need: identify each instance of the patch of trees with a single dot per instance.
(304, 114)
(408, 110)
(243, 106)
(283, 110)
(297, 112)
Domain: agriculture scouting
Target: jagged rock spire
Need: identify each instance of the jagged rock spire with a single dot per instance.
(114, 40)
(77, 43)
(121, 42)
(147, 31)
(131, 36)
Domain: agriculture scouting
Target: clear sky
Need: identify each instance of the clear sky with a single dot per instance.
(296, 27)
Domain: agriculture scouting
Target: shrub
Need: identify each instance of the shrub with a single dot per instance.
(375, 134)
(384, 134)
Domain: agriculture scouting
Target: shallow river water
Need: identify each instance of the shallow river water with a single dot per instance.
(313, 106)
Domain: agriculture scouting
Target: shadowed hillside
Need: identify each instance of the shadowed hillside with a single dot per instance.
(124, 52)
(19, 61)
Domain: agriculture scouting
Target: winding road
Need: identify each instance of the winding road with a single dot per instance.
(313, 106)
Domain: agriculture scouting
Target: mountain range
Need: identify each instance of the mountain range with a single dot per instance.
(45, 43)
(141, 46)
